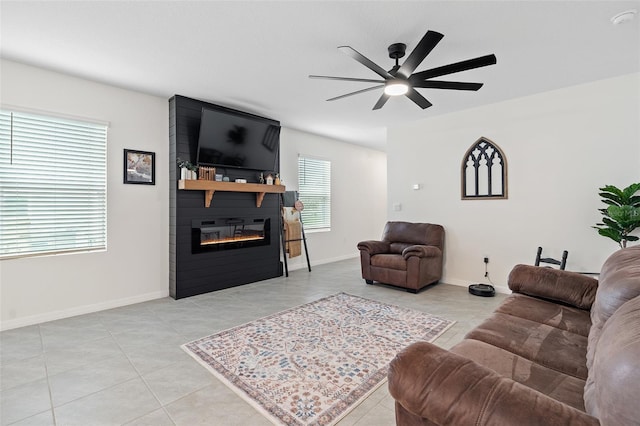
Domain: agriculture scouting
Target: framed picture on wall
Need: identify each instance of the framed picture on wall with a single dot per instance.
(139, 167)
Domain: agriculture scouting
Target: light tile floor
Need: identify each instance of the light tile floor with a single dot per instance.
(125, 366)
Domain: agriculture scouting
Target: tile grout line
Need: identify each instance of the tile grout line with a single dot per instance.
(46, 374)
(140, 376)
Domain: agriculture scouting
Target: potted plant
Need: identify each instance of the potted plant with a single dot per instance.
(188, 170)
(622, 216)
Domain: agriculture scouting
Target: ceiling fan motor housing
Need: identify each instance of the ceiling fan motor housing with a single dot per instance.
(397, 50)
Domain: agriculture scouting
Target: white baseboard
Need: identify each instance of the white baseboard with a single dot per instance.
(80, 310)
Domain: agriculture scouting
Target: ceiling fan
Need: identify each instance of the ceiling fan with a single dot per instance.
(401, 79)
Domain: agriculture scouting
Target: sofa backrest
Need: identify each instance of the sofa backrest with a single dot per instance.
(613, 351)
(619, 282)
(404, 234)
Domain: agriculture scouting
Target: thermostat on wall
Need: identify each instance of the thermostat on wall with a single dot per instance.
(241, 181)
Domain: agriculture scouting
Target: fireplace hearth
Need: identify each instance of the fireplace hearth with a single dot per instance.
(229, 234)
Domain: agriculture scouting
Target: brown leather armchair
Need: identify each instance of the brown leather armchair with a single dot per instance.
(409, 255)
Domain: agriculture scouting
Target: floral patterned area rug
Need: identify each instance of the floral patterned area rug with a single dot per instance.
(312, 364)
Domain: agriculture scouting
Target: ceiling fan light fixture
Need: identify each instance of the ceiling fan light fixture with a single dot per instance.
(396, 87)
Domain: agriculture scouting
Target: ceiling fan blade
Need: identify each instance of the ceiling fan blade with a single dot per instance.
(363, 80)
(383, 100)
(365, 61)
(357, 92)
(469, 64)
(424, 47)
(453, 85)
(418, 98)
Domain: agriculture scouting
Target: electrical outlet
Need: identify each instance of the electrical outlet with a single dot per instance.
(486, 259)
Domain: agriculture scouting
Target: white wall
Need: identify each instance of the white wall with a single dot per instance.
(358, 193)
(561, 146)
(135, 265)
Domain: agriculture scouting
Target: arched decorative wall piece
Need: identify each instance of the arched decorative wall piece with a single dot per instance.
(484, 171)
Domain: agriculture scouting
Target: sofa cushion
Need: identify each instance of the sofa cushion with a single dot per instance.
(566, 318)
(612, 391)
(559, 386)
(569, 288)
(543, 344)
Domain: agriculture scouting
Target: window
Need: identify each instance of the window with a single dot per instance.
(52, 185)
(314, 190)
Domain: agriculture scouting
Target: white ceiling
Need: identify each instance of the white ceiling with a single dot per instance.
(256, 56)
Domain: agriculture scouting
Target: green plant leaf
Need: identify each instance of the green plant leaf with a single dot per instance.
(612, 224)
(613, 190)
(632, 238)
(611, 199)
(624, 215)
(610, 202)
(610, 233)
(631, 190)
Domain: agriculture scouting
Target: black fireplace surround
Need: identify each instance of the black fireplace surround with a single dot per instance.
(248, 249)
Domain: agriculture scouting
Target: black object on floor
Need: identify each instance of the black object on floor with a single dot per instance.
(484, 290)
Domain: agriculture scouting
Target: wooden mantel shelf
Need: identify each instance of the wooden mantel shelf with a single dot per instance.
(210, 187)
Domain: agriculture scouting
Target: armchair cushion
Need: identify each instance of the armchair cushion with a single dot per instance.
(389, 261)
(414, 233)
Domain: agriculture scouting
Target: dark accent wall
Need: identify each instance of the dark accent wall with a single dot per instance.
(197, 273)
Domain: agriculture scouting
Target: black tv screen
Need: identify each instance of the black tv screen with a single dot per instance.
(234, 139)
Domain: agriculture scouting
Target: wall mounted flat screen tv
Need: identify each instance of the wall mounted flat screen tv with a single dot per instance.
(234, 139)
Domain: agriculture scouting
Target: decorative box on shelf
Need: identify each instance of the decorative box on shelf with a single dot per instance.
(210, 187)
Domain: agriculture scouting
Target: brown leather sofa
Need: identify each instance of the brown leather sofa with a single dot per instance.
(563, 349)
(409, 255)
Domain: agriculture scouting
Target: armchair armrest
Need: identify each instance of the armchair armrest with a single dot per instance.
(421, 251)
(374, 247)
(448, 389)
(567, 287)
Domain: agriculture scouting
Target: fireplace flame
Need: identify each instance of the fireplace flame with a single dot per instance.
(234, 239)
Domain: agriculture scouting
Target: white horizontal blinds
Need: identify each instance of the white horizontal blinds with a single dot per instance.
(314, 188)
(52, 185)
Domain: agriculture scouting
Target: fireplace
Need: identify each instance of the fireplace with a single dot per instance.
(196, 264)
(229, 234)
